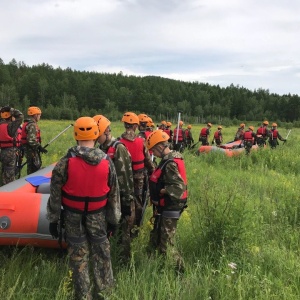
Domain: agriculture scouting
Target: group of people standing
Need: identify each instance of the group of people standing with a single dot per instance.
(103, 185)
(18, 140)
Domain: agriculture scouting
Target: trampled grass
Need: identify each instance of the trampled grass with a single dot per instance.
(239, 236)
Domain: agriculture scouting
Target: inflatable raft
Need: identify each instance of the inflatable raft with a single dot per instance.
(23, 211)
(229, 149)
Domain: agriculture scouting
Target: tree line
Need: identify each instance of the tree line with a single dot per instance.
(68, 94)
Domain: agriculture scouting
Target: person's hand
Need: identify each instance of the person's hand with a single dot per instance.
(126, 211)
(111, 229)
(53, 228)
(43, 150)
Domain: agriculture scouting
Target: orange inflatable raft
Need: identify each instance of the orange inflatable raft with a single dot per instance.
(229, 149)
(23, 211)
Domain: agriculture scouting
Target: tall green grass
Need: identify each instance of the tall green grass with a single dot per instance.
(239, 236)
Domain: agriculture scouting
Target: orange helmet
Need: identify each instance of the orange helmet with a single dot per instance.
(143, 118)
(169, 124)
(251, 128)
(5, 112)
(209, 124)
(85, 128)
(274, 125)
(163, 123)
(102, 123)
(156, 137)
(180, 123)
(265, 122)
(33, 110)
(189, 126)
(242, 125)
(220, 127)
(130, 118)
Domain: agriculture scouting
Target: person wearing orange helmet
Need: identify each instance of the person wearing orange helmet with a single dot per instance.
(262, 134)
(204, 134)
(240, 132)
(143, 120)
(249, 139)
(179, 139)
(11, 119)
(163, 125)
(169, 132)
(31, 139)
(122, 162)
(189, 136)
(168, 193)
(84, 183)
(218, 138)
(275, 136)
(142, 164)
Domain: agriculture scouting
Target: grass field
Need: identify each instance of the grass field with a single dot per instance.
(239, 236)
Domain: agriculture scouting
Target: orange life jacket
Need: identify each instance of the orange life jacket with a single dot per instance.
(88, 193)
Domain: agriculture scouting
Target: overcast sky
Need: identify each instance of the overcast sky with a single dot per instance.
(250, 43)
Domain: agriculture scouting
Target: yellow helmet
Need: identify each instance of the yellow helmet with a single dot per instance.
(156, 137)
(189, 126)
(102, 123)
(130, 118)
(85, 129)
(274, 125)
(33, 110)
(251, 128)
(265, 122)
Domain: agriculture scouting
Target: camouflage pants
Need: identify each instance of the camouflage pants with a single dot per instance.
(8, 160)
(138, 183)
(248, 146)
(88, 245)
(33, 159)
(162, 238)
(204, 141)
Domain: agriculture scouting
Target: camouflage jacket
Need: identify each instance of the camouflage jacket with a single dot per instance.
(173, 182)
(13, 126)
(31, 129)
(60, 176)
(131, 136)
(122, 163)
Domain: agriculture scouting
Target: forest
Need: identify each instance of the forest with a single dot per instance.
(68, 94)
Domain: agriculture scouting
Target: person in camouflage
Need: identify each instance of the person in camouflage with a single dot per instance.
(122, 162)
(143, 120)
(168, 193)
(142, 164)
(11, 119)
(275, 136)
(31, 140)
(89, 201)
(240, 132)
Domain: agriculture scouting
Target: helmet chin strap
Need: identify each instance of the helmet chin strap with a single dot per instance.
(161, 152)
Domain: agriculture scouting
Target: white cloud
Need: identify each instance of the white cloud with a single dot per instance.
(248, 41)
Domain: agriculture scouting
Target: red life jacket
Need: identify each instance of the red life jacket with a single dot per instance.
(261, 131)
(180, 134)
(168, 132)
(217, 135)
(203, 132)
(18, 137)
(147, 133)
(248, 136)
(187, 134)
(136, 150)
(156, 184)
(24, 133)
(6, 141)
(88, 193)
(111, 151)
(275, 134)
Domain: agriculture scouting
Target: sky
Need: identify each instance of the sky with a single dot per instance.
(248, 43)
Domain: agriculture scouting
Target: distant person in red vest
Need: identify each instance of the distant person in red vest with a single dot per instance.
(218, 138)
(240, 132)
(275, 136)
(163, 125)
(179, 138)
(262, 134)
(204, 134)
(249, 139)
(189, 136)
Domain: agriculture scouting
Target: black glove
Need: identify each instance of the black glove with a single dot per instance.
(53, 228)
(42, 149)
(213, 142)
(126, 211)
(111, 229)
